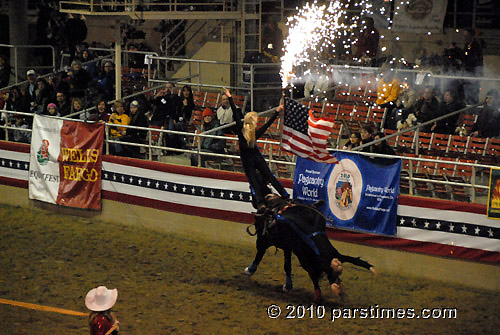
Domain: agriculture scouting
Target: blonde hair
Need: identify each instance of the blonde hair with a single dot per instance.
(249, 125)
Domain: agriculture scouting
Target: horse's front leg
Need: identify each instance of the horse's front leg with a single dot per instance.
(262, 245)
(287, 253)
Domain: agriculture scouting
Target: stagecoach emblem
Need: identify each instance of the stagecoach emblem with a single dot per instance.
(42, 156)
(344, 189)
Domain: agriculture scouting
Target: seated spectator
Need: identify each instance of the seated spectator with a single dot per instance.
(102, 111)
(167, 103)
(21, 135)
(63, 106)
(225, 113)
(353, 142)
(5, 71)
(366, 136)
(52, 110)
(425, 108)
(118, 117)
(137, 119)
(107, 80)
(79, 79)
(448, 105)
(488, 121)
(381, 147)
(91, 68)
(16, 101)
(31, 87)
(316, 85)
(77, 109)
(209, 144)
(387, 94)
(406, 97)
(41, 97)
(102, 320)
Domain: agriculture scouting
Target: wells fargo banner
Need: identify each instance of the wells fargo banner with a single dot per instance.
(65, 162)
(359, 192)
(494, 195)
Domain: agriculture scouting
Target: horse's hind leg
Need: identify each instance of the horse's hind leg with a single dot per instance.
(288, 270)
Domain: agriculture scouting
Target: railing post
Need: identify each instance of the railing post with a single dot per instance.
(15, 64)
(198, 145)
(199, 75)
(251, 86)
(410, 174)
(149, 143)
(473, 182)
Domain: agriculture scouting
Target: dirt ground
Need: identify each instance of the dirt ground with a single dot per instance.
(172, 285)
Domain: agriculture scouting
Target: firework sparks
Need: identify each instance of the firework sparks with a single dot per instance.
(314, 31)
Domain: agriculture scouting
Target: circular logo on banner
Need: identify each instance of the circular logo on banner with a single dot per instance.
(344, 189)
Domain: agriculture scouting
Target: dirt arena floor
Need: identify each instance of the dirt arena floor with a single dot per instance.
(172, 285)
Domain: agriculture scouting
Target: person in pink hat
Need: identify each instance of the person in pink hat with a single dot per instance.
(101, 320)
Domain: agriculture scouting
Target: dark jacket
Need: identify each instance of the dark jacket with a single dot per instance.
(488, 122)
(424, 111)
(213, 144)
(448, 125)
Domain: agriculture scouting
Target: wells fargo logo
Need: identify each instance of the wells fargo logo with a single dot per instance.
(79, 173)
(42, 156)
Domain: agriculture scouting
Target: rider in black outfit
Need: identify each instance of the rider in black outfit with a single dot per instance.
(251, 158)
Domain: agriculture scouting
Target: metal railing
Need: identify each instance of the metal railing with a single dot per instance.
(101, 6)
(150, 146)
(197, 79)
(16, 66)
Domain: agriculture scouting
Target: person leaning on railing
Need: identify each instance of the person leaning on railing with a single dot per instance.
(118, 117)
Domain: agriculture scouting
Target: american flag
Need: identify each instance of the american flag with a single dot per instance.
(305, 135)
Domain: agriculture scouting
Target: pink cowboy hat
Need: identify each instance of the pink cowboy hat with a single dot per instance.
(101, 298)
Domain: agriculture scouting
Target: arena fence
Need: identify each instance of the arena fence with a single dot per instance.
(157, 146)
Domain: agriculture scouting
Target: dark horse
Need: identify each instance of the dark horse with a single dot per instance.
(300, 229)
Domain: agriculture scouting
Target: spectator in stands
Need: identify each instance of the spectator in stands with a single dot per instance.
(272, 40)
(353, 141)
(251, 158)
(102, 111)
(52, 110)
(366, 136)
(41, 97)
(16, 101)
(381, 147)
(102, 320)
(387, 94)
(367, 43)
(137, 119)
(448, 105)
(91, 68)
(225, 113)
(107, 80)
(488, 121)
(118, 117)
(316, 85)
(22, 123)
(5, 71)
(186, 107)
(63, 105)
(425, 108)
(30, 90)
(79, 79)
(208, 144)
(472, 64)
(77, 109)
(167, 106)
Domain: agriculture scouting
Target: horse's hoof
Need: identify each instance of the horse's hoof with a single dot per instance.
(249, 271)
(287, 288)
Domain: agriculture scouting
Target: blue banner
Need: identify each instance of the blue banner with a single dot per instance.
(360, 193)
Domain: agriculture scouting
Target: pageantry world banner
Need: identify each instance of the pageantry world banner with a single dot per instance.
(359, 192)
(65, 162)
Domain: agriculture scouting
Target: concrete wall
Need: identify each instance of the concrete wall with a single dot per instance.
(459, 272)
